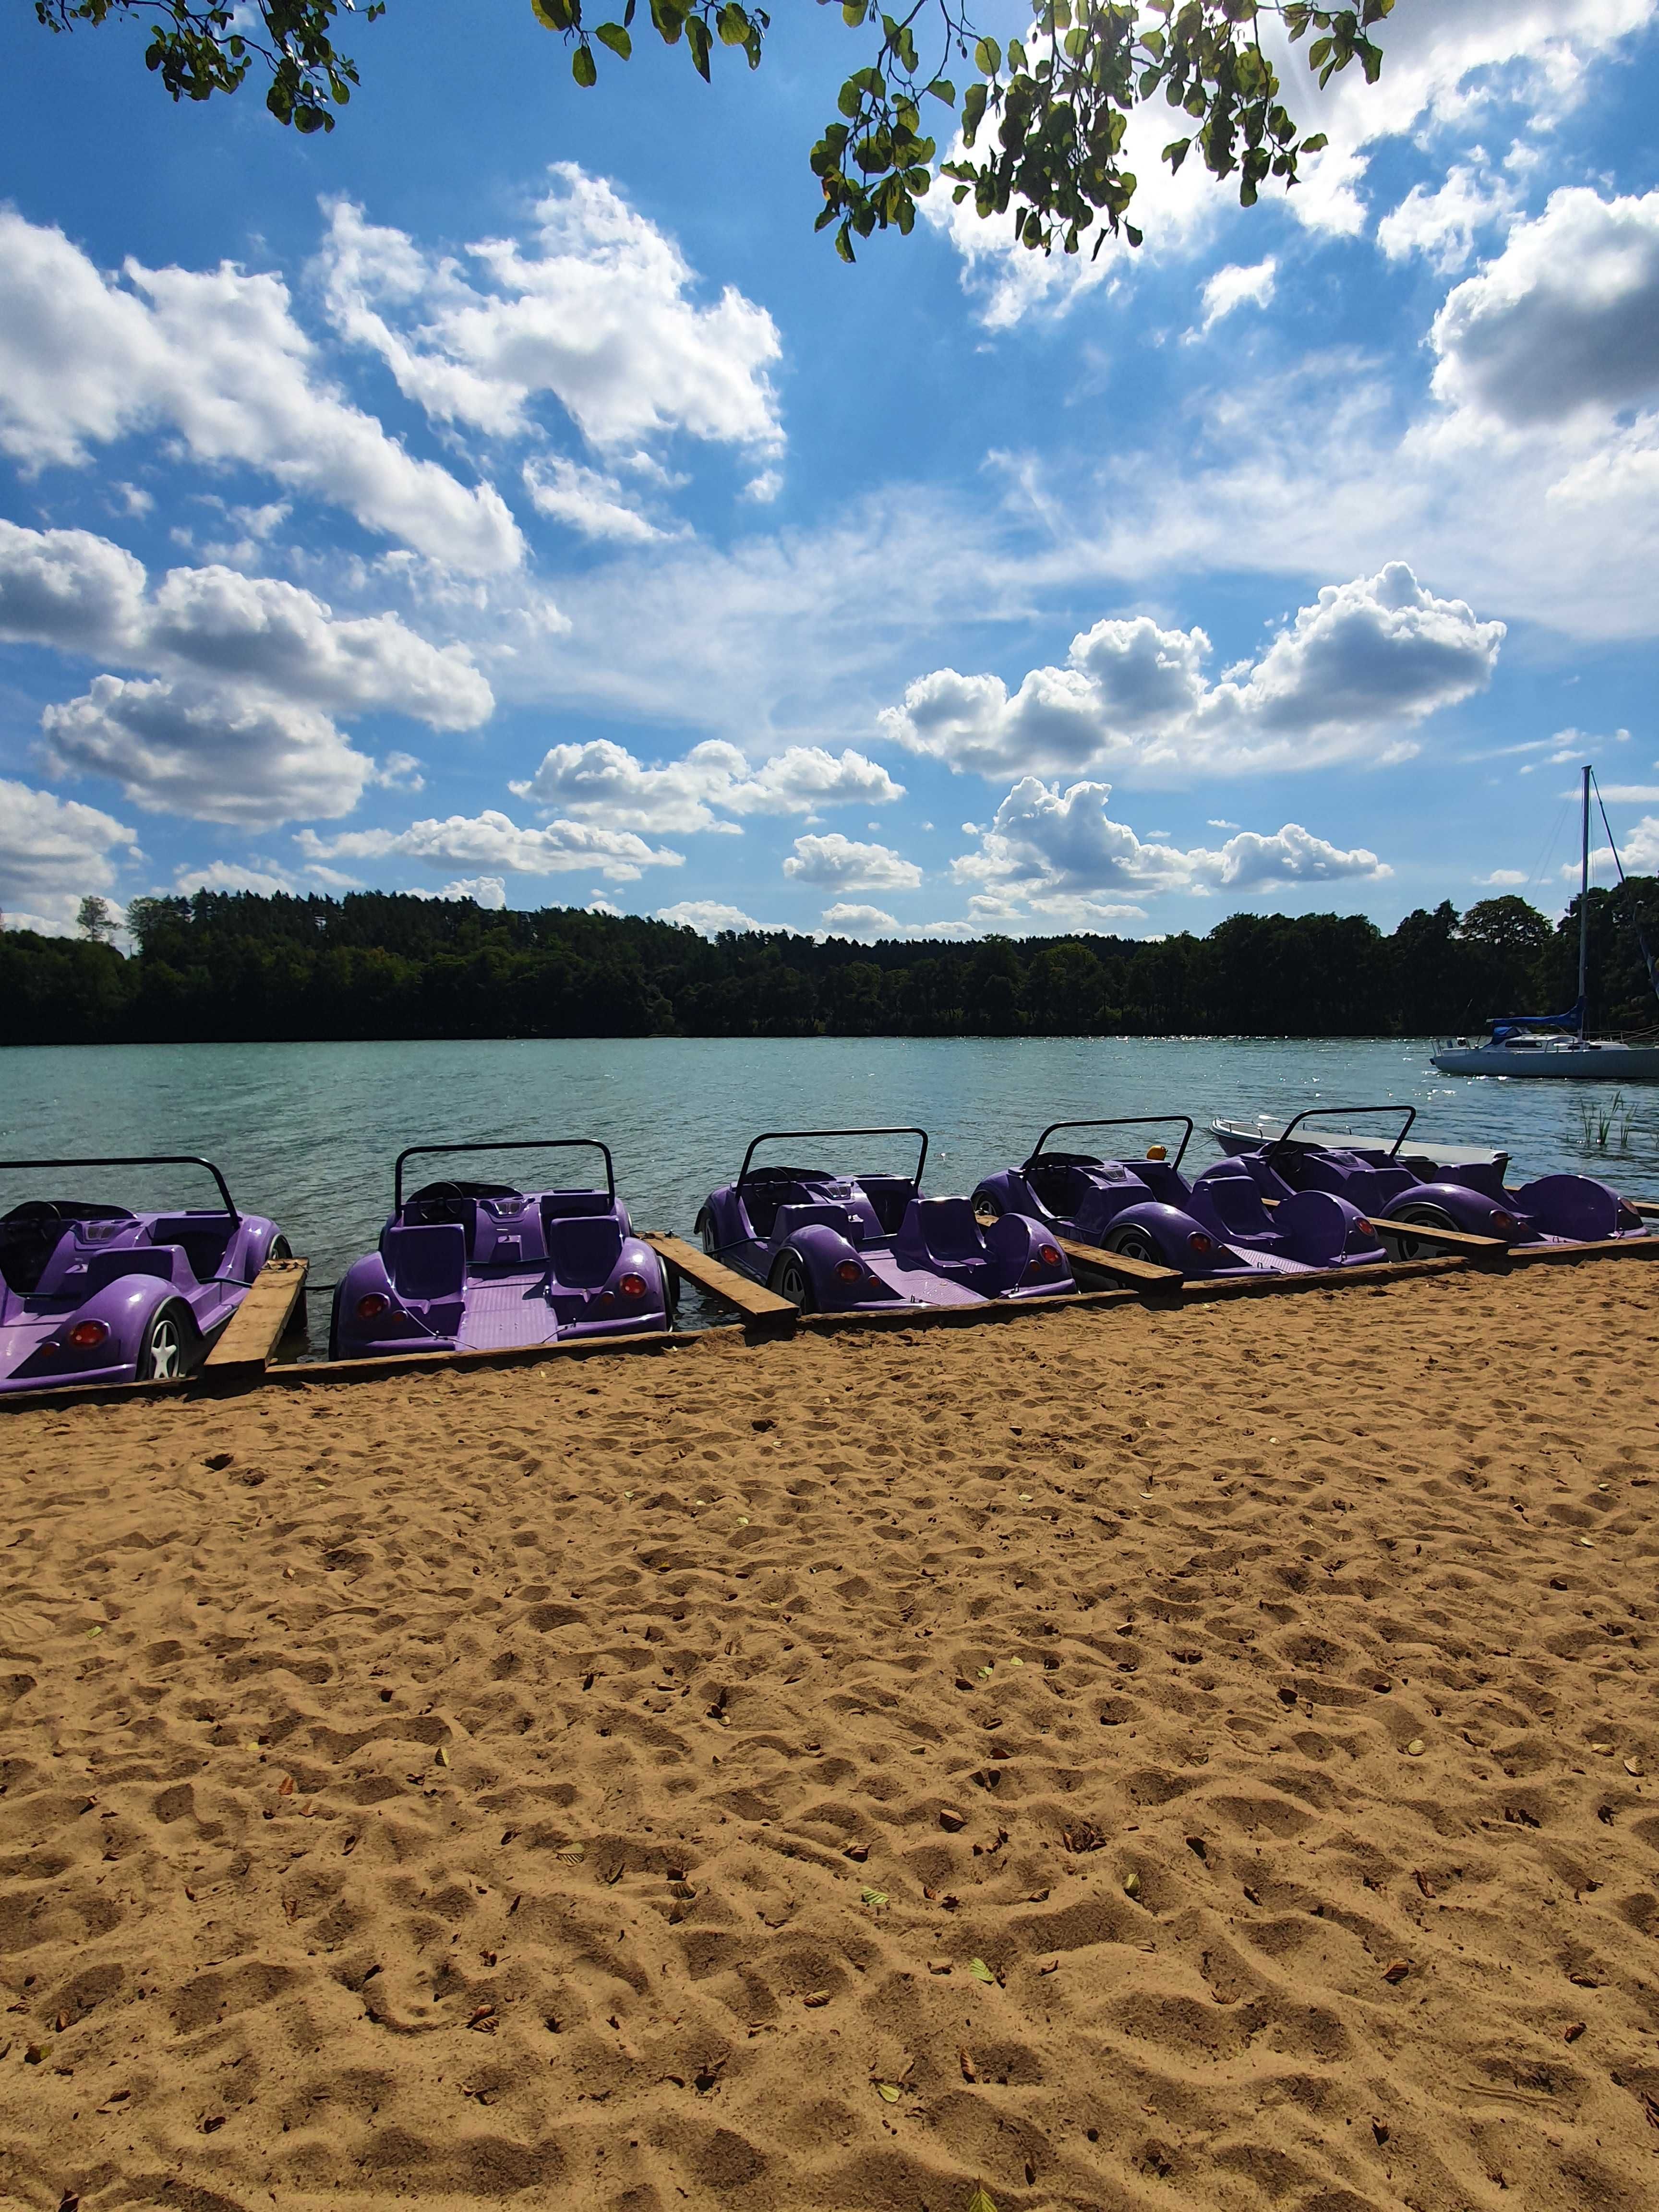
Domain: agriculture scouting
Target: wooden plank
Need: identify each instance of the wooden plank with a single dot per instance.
(1601, 1247)
(1143, 1272)
(1442, 1240)
(255, 1328)
(752, 1299)
(302, 1373)
(1376, 1275)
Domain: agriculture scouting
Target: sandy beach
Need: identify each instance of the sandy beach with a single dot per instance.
(1135, 1760)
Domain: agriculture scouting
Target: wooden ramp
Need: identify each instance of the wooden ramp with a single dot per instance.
(257, 1328)
(1145, 1274)
(752, 1300)
(1461, 1240)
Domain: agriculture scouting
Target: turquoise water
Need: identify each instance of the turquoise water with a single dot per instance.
(307, 1133)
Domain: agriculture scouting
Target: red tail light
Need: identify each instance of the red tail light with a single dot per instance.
(849, 1271)
(1049, 1254)
(1363, 1231)
(86, 1334)
(1198, 1241)
(372, 1307)
(632, 1286)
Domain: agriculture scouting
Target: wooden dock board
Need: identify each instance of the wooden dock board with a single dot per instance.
(1442, 1240)
(752, 1300)
(255, 1329)
(1145, 1272)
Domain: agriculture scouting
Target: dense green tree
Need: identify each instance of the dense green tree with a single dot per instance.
(383, 963)
(1042, 118)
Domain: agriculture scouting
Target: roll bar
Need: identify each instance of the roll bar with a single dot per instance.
(140, 1160)
(1118, 1121)
(1325, 1113)
(770, 1136)
(506, 1144)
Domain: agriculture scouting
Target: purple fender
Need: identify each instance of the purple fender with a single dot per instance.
(1009, 1193)
(1575, 1208)
(1181, 1240)
(1472, 1211)
(843, 1279)
(36, 1350)
(1323, 1230)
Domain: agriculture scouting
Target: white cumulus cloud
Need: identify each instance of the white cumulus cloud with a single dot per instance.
(490, 843)
(1057, 851)
(1234, 287)
(841, 863)
(847, 919)
(708, 917)
(1564, 322)
(1347, 680)
(53, 852)
(216, 356)
(597, 310)
(602, 781)
(1442, 225)
(232, 718)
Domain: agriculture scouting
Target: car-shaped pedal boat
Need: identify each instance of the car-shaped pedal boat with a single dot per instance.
(1471, 1197)
(91, 1292)
(1145, 1209)
(484, 1266)
(868, 1243)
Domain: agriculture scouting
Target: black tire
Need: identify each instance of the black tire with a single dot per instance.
(705, 1230)
(791, 1280)
(280, 1249)
(1427, 1217)
(987, 1206)
(1134, 1242)
(168, 1345)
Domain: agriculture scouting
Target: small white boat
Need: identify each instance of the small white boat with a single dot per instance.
(1422, 1156)
(1536, 1045)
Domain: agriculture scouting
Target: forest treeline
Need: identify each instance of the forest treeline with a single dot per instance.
(387, 964)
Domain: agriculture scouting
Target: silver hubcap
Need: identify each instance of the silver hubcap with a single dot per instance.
(166, 1354)
(791, 1283)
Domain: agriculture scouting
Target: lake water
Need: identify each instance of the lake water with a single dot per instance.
(307, 1133)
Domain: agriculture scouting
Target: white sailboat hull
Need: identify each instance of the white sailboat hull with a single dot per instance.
(1567, 1061)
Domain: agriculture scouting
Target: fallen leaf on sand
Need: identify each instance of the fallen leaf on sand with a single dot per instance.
(938, 1966)
(571, 1852)
(981, 2199)
(949, 1819)
(888, 2092)
(875, 1897)
(1132, 1885)
(1574, 2032)
(1633, 1766)
(1049, 1966)
(442, 1756)
(1423, 1883)
(1414, 1748)
(965, 2060)
(285, 1787)
(815, 1998)
(981, 1972)
(1396, 1969)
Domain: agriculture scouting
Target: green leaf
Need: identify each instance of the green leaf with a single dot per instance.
(615, 36)
(876, 1897)
(981, 2199)
(853, 13)
(942, 88)
(987, 56)
(888, 2092)
(696, 38)
(583, 67)
(1016, 55)
(669, 16)
(732, 25)
(553, 15)
(1316, 145)
(844, 245)
(981, 1972)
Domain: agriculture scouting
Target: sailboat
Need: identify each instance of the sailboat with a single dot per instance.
(1555, 1044)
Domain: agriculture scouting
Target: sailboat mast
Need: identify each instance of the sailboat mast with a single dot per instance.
(1583, 907)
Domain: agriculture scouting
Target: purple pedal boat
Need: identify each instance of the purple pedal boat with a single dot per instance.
(867, 1244)
(1472, 1197)
(1145, 1209)
(482, 1266)
(91, 1292)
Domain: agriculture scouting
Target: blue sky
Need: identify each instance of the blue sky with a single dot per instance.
(509, 496)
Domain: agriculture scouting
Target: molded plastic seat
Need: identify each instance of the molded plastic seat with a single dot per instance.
(426, 1259)
(1237, 1204)
(567, 1205)
(946, 1230)
(1570, 1205)
(204, 1241)
(583, 1250)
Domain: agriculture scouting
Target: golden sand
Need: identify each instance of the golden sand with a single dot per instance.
(1142, 1760)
